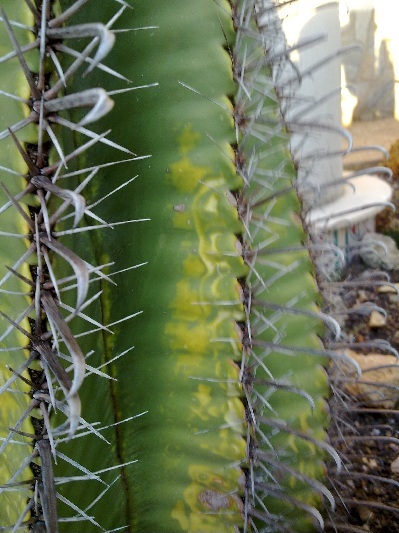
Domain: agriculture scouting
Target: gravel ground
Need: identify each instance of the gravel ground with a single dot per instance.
(366, 429)
(383, 132)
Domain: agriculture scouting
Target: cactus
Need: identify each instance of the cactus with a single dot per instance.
(191, 395)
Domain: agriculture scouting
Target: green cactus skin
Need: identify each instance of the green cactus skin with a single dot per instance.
(224, 355)
(192, 437)
(192, 444)
(12, 404)
(28, 494)
(278, 277)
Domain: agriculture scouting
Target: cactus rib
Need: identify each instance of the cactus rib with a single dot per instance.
(42, 384)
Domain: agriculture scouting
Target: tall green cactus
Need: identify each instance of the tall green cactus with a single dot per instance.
(216, 331)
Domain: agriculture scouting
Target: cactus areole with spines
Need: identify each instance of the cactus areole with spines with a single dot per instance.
(177, 287)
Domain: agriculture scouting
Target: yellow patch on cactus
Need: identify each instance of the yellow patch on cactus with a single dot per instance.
(197, 330)
(193, 266)
(185, 175)
(188, 139)
(210, 499)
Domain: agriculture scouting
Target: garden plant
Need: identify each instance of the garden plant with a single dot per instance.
(162, 364)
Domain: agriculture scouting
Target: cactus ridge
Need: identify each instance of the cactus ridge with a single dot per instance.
(51, 376)
(269, 189)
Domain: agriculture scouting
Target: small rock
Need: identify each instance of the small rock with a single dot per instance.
(379, 251)
(377, 320)
(371, 463)
(362, 296)
(393, 298)
(378, 370)
(365, 513)
(389, 288)
(395, 466)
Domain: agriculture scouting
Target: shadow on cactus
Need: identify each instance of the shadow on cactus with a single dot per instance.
(162, 368)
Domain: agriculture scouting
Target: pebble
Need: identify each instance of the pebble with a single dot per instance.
(389, 288)
(362, 296)
(378, 369)
(365, 513)
(395, 466)
(377, 320)
(379, 251)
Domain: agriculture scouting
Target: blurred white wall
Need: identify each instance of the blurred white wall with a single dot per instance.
(317, 93)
